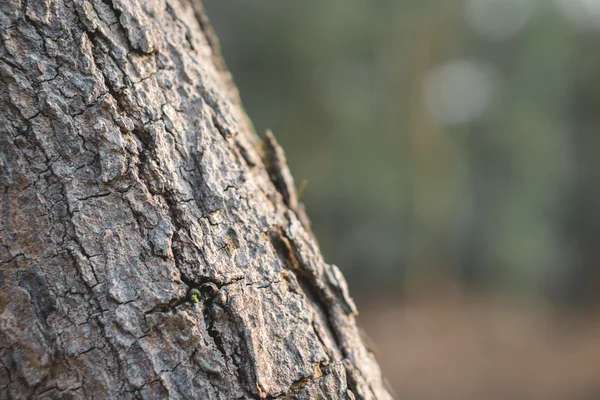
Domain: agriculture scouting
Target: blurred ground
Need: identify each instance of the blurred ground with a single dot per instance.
(452, 347)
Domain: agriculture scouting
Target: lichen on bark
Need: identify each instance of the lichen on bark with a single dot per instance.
(130, 174)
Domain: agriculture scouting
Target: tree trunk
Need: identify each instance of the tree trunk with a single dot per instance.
(130, 175)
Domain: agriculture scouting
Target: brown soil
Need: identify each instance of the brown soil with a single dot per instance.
(454, 348)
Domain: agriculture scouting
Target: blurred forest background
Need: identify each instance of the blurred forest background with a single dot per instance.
(452, 153)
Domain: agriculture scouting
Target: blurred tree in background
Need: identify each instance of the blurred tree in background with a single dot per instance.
(441, 139)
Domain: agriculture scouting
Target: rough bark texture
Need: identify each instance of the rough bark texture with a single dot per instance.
(130, 174)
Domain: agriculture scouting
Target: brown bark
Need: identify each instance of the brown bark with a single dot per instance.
(129, 174)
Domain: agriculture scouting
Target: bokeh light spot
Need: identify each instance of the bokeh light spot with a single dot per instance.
(458, 92)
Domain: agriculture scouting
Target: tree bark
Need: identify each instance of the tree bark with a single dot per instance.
(129, 175)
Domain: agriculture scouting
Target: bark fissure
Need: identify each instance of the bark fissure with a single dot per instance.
(212, 332)
(284, 248)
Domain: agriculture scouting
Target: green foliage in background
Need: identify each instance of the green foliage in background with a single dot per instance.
(500, 190)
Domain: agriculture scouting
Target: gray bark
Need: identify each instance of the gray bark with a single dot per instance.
(129, 175)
